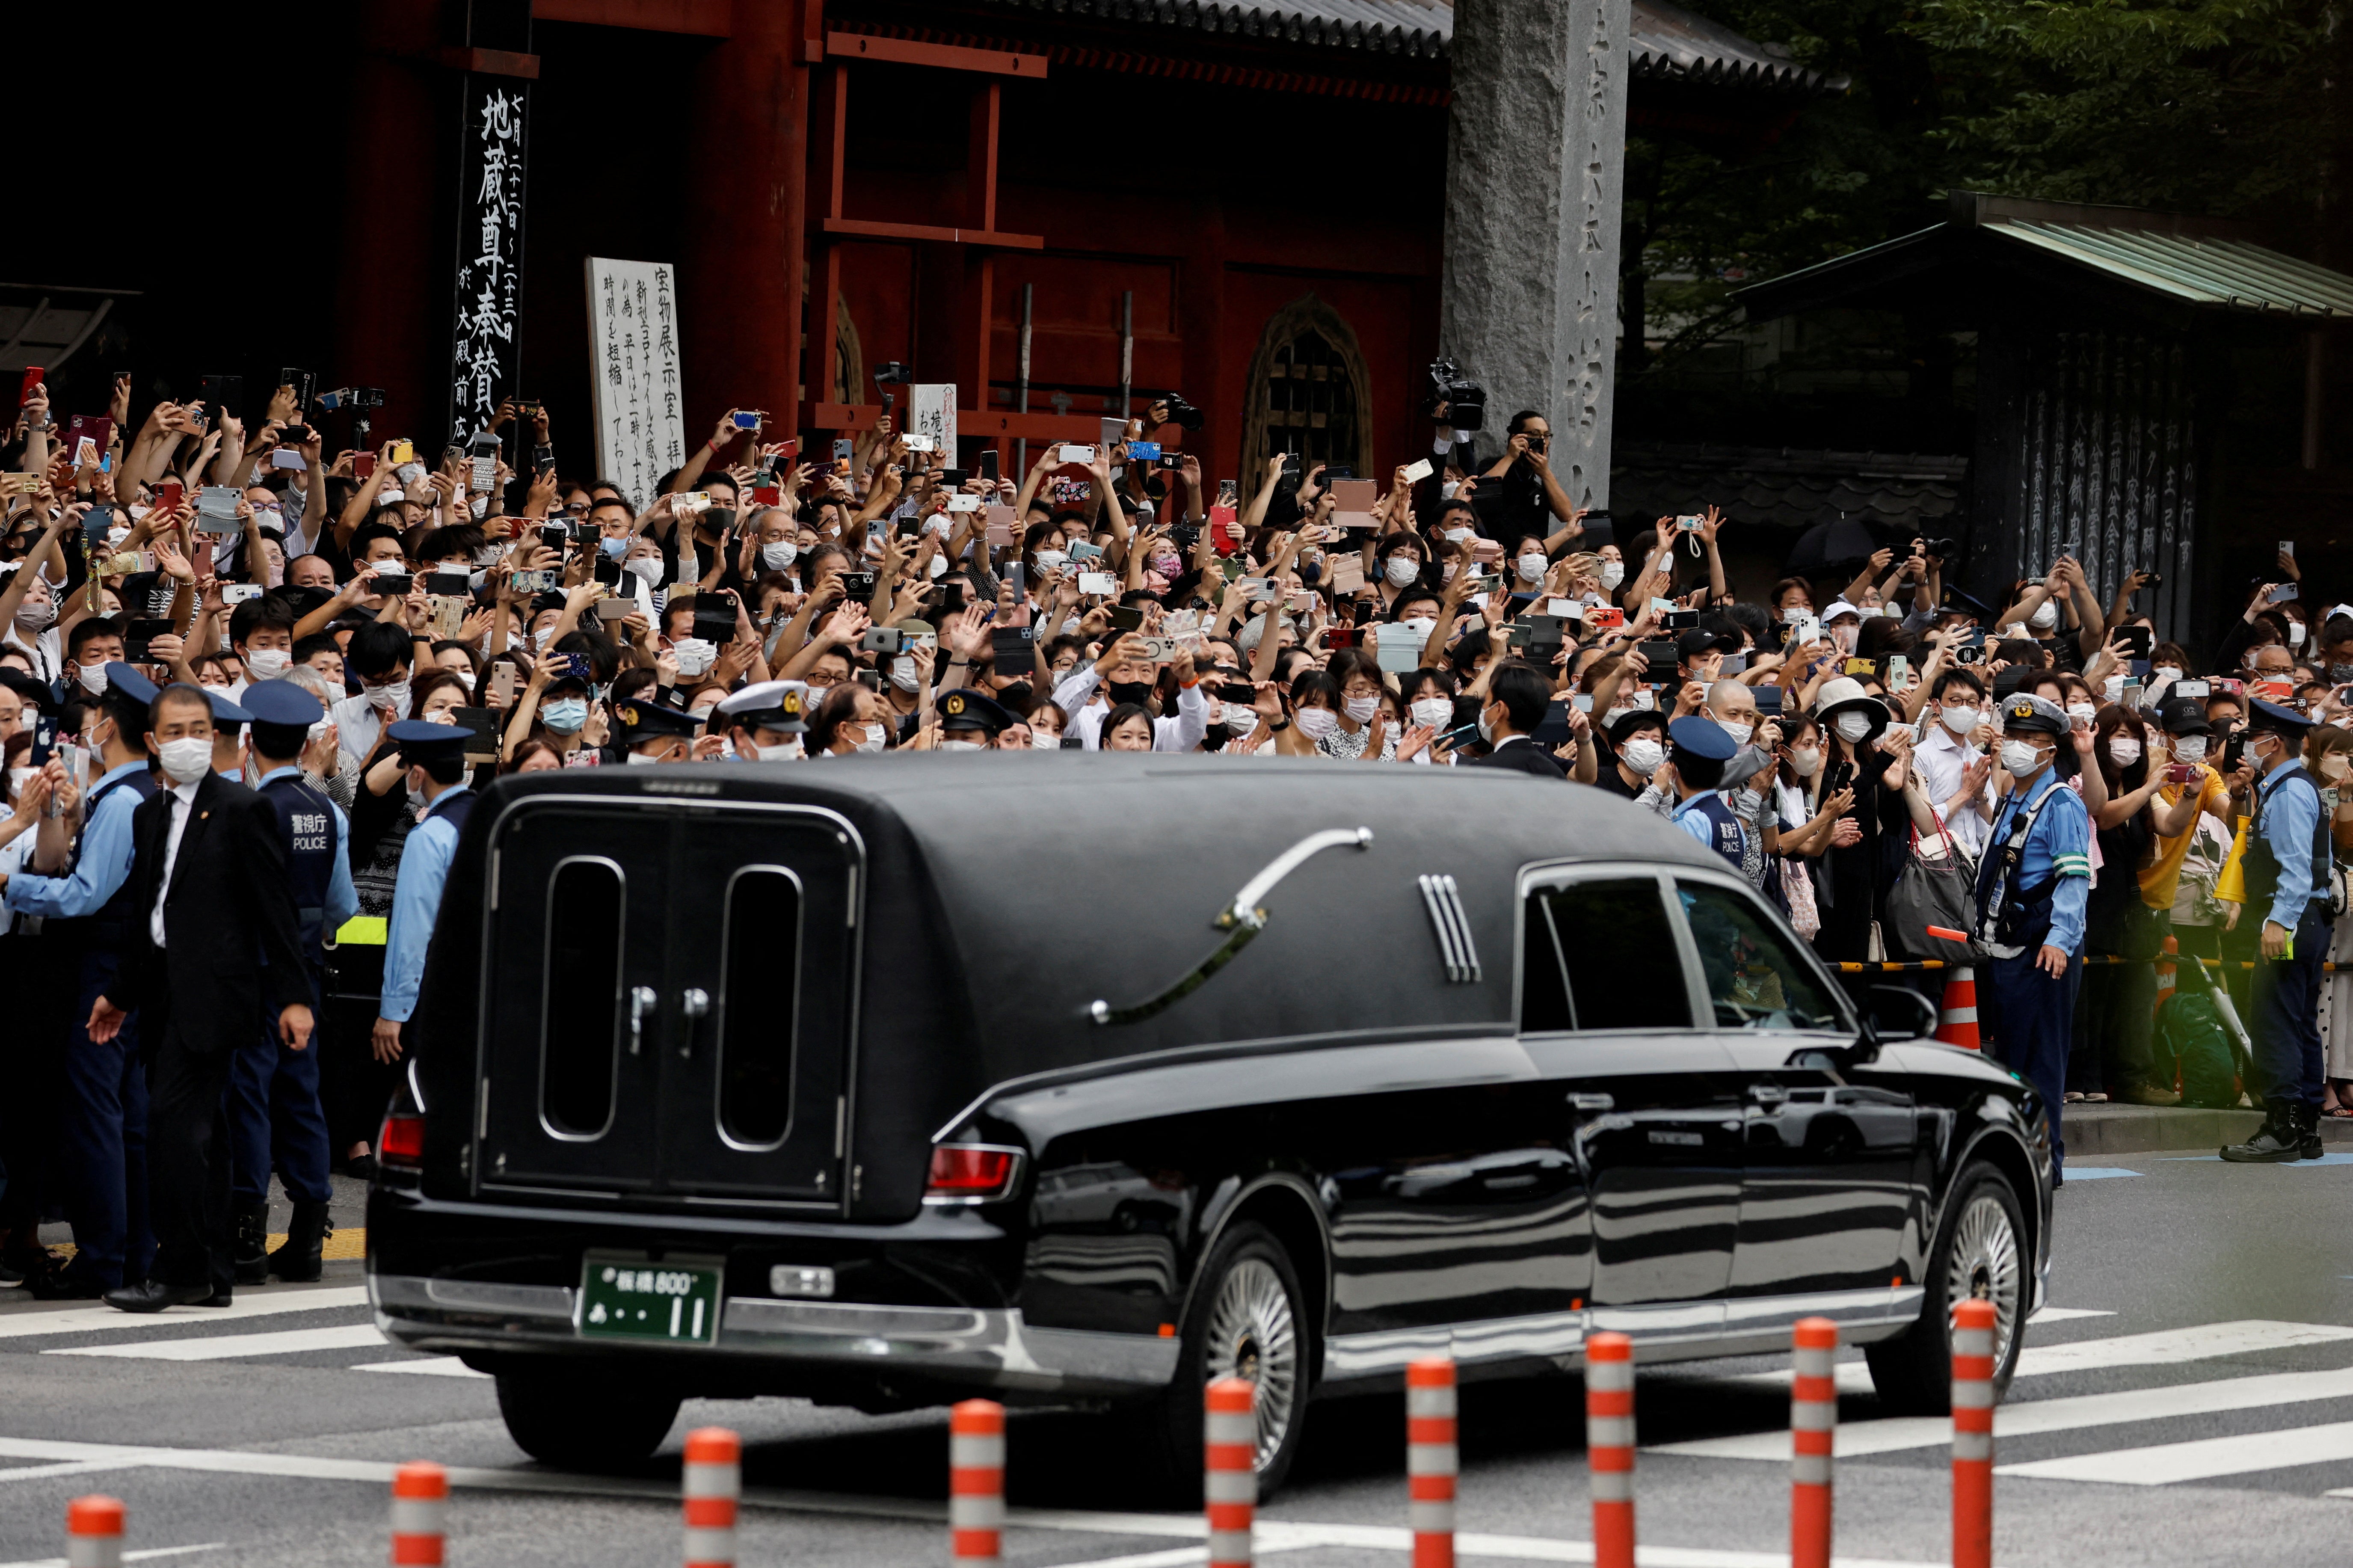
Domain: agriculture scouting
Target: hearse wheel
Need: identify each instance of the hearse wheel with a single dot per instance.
(1980, 1251)
(1248, 1318)
(577, 1421)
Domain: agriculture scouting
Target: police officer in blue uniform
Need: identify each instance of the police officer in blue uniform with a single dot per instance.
(2287, 883)
(764, 721)
(2033, 884)
(274, 1111)
(435, 757)
(1702, 748)
(102, 1138)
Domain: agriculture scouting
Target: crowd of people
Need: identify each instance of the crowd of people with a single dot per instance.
(768, 605)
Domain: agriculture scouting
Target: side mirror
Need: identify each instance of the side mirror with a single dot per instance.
(1900, 1013)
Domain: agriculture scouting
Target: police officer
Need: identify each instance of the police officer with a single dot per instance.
(764, 722)
(2033, 883)
(651, 733)
(274, 1110)
(229, 721)
(1702, 748)
(435, 756)
(102, 1138)
(2287, 879)
(971, 721)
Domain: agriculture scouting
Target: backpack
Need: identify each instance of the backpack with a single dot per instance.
(2189, 1029)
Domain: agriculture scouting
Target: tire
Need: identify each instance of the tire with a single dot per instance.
(1247, 1318)
(1980, 1250)
(576, 1421)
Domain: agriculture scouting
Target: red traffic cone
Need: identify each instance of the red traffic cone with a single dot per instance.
(1957, 1020)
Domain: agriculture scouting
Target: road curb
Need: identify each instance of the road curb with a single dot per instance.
(2148, 1129)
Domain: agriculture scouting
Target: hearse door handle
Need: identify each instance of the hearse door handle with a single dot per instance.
(692, 1003)
(1593, 1102)
(642, 1001)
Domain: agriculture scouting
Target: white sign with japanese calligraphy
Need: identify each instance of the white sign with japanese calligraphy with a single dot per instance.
(490, 253)
(633, 358)
(931, 418)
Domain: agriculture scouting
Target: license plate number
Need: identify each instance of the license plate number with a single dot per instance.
(635, 1299)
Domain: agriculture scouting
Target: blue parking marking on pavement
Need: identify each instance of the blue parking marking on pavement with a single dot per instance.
(2099, 1173)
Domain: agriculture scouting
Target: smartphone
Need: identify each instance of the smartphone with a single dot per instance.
(2280, 595)
(1899, 670)
(1125, 618)
(395, 583)
(239, 593)
(1769, 699)
(1605, 618)
(1098, 584)
(1082, 455)
(2137, 641)
(988, 464)
(2183, 773)
(1342, 637)
(544, 581)
(2185, 687)
(578, 667)
(747, 418)
(856, 586)
(1687, 524)
(2287, 548)
(288, 459)
(1461, 735)
(44, 741)
(33, 374)
(963, 502)
(1011, 646)
(448, 584)
(883, 640)
(403, 452)
(1859, 667)
(363, 465)
(224, 393)
(1019, 577)
(690, 503)
(502, 682)
(1142, 451)
(1659, 656)
(136, 641)
(2130, 696)
(1416, 472)
(844, 449)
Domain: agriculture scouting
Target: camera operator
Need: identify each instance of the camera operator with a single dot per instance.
(1530, 498)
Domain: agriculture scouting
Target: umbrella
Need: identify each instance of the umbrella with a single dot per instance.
(1828, 544)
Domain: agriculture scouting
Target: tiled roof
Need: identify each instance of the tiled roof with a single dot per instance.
(1786, 486)
(1669, 43)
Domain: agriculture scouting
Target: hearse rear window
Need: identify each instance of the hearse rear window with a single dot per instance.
(758, 997)
(1601, 955)
(580, 1047)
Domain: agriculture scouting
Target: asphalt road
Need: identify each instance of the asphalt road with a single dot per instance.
(265, 1438)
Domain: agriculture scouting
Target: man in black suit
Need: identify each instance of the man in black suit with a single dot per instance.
(214, 929)
(1517, 695)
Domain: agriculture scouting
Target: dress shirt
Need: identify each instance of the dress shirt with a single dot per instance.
(425, 856)
(2290, 817)
(1942, 757)
(1181, 734)
(2058, 845)
(184, 801)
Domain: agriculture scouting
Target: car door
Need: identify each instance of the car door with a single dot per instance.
(1827, 1175)
(1608, 1013)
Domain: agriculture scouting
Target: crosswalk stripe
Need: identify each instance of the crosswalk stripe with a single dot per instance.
(225, 1347)
(1893, 1435)
(128, 1556)
(2062, 1315)
(2161, 1347)
(2206, 1457)
(24, 1324)
(431, 1366)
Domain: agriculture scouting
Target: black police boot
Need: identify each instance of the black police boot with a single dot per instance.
(298, 1261)
(2275, 1143)
(252, 1255)
(2307, 1132)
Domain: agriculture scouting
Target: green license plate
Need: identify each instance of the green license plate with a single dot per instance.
(631, 1297)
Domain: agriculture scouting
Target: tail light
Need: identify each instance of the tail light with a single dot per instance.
(971, 1172)
(402, 1141)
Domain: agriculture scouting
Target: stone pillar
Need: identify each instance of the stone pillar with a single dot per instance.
(1536, 162)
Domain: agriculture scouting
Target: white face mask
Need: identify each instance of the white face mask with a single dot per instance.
(780, 555)
(961, 746)
(1532, 568)
(2020, 757)
(392, 698)
(1455, 535)
(1052, 560)
(1432, 712)
(1420, 626)
(1401, 570)
(2190, 749)
(1959, 721)
(1642, 756)
(1361, 708)
(2045, 616)
(1843, 636)
(695, 655)
(2123, 751)
(649, 569)
(1736, 730)
(1853, 727)
(17, 779)
(2083, 709)
(1317, 722)
(92, 677)
(2163, 674)
(904, 677)
(873, 740)
(2112, 689)
(640, 760)
(267, 663)
(1804, 760)
(2296, 634)
(1612, 574)
(1240, 720)
(185, 760)
(35, 614)
(1042, 741)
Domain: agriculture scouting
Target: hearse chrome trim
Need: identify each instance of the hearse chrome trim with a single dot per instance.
(1447, 917)
(1244, 920)
(993, 1346)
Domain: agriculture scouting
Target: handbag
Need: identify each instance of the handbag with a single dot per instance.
(1936, 888)
(1797, 887)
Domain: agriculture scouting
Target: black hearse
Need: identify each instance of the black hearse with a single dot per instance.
(1077, 1080)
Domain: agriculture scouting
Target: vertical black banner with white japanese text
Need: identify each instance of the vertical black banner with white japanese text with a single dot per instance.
(488, 296)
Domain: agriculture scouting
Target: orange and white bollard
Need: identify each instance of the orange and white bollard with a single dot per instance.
(1431, 1459)
(714, 1483)
(1609, 1446)
(976, 1483)
(1814, 1426)
(94, 1532)
(1973, 1326)
(1229, 1478)
(420, 1514)
(1957, 1020)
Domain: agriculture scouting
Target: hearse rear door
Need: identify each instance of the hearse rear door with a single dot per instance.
(670, 1000)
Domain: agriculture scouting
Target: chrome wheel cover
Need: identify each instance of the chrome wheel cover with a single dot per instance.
(1984, 1263)
(1251, 1335)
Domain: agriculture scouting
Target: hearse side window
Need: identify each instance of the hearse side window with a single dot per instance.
(580, 1047)
(1617, 954)
(1754, 978)
(758, 1003)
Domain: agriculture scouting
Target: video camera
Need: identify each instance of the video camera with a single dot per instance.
(1182, 412)
(1465, 400)
(890, 372)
